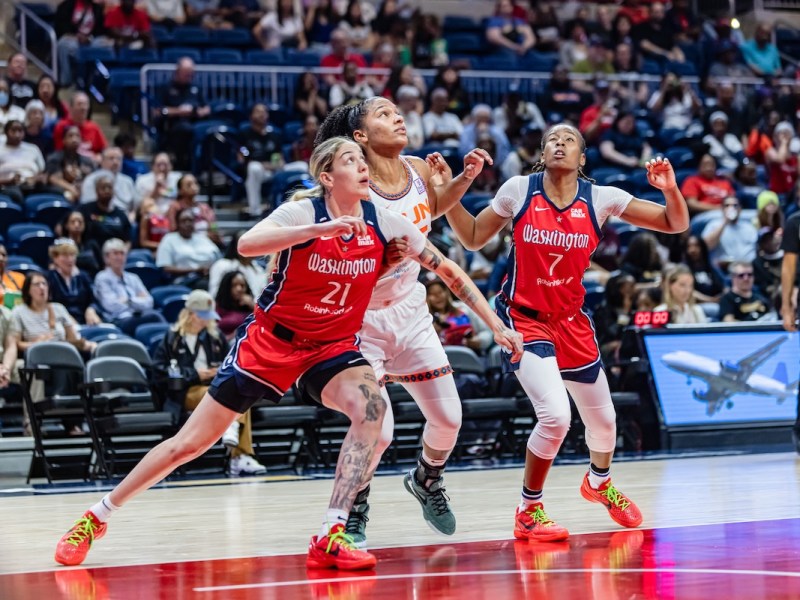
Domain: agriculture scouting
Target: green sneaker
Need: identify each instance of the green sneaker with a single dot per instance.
(356, 526)
(435, 509)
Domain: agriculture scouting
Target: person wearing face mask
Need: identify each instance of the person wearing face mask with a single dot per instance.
(729, 237)
(8, 111)
(742, 302)
(677, 289)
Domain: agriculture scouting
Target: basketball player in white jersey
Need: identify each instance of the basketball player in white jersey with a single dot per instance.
(398, 338)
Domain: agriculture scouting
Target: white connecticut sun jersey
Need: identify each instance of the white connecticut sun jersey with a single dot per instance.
(412, 203)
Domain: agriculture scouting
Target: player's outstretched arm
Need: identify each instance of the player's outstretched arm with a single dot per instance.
(672, 218)
(268, 236)
(465, 290)
(446, 191)
(475, 232)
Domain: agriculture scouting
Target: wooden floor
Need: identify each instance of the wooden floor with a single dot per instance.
(256, 518)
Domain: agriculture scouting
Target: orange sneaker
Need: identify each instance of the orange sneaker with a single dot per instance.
(337, 551)
(74, 546)
(620, 507)
(534, 525)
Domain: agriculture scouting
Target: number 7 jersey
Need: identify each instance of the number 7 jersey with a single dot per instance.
(552, 247)
(320, 289)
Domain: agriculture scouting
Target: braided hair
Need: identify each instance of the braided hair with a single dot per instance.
(539, 166)
(343, 121)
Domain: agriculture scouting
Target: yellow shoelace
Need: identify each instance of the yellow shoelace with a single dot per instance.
(83, 528)
(616, 497)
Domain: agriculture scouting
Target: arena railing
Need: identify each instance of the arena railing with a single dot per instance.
(246, 85)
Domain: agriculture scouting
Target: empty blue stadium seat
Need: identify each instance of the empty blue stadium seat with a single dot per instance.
(150, 275)
(129, 58)
(145, 333)
(23, 266)
(171, 55)
(465, 43)
(34, 201)
(232, 38)
(94, 332)
(265, 57)
(171, 307)
(680, 158)
(191, 36)
(15, 232)
(140, 254)
(36, 244)
(161, 293)
(299, 58)
(53, 212)
(223, 56)
(10, 214)
(452, 23)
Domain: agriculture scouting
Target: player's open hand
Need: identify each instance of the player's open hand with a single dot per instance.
(441, 173)
(660, 174)
(474, 161)
(510, 340)
(345, 225)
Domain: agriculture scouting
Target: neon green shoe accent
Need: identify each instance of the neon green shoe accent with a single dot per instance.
(614, 496)
(86, 528)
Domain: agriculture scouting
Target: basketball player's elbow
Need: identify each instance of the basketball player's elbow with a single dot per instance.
(248, 247)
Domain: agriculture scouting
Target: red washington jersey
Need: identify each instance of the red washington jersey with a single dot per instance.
(321, 289)
(551, 247)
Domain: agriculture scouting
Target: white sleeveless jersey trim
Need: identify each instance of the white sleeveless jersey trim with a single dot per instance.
(413, 205)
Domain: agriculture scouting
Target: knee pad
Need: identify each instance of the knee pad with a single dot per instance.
(553, 420)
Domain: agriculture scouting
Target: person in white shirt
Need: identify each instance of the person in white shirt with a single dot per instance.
(441, 126)
(254, 273)
(724, 146)
(349, 90)
(187, 254)
(281, 27)
(167, 12)
(730, 238)
(407, 100)
(20, 161)
(161, 183)
(126, 197)
(677, 287)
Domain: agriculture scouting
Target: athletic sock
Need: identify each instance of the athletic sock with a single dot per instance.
(333, 516)
(529, 497)
(598, 476)
(428, 469)
(104, 509)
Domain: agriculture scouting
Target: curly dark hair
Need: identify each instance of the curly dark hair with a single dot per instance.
(343, 121)
(539, 167)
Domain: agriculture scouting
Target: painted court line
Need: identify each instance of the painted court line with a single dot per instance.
(277, 584)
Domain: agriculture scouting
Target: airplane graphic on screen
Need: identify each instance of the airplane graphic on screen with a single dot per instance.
(726, 379)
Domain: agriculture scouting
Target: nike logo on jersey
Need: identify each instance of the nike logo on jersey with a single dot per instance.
(572, 318)
(540, 208)
(327, 237)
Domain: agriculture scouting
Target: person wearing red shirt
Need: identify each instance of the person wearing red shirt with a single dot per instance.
(128, 25)
(340, 43)
(93, 142)
(598, 117)
(705, 191)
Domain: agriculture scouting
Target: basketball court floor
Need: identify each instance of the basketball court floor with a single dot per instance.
(716, 527)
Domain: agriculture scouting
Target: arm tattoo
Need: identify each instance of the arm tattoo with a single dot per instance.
(430, 257)
(464, 292)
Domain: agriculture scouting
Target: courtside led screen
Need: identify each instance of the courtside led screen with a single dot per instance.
(728, 376)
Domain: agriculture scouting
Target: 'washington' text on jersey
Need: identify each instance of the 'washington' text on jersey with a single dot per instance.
(352, 268)
(546, 237)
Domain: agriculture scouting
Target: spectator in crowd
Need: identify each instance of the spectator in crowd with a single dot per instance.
(70, 286)
(508, 34)
(10, 281)
(282, 27)
(726, 65)
(746, 179)
(22, 90)
(598, 117)
(253, 272)
(613, 315)
(482, 124)
(708, 281)
(104, 220)
(626, 62)
(161, 183)
(307, 99)
(320, 21)
(351, 89)
(206, 14)
(456, 324)
(760, 137)
(302, 148)
(241, 13)
(403, 75)
(515, 113)
(357, 26)
(677, 292)
(153, 224)
(728, 102)
(234, 302)
(195, 344)
(524, 156)
(729, 237)
(488, 180)
(760, 54)
(768, 262)
(35, 131)
(622, 146)
(643, 260)
(66, 168)
(183, 104)
(93, 142)
(656, 37)
(543, 21)
(408, 99)
(390, 19)
(340, 54)
(782, 158)
(47, 91)
(125, 196)
(674, 103)
(575, 48)
(449, 79)
(8, 110)
(21, 163)
(706, 191)
(561, 101)
(8, 350)
(165, 12)
(130, 166)
(204, 217)
(428, 46)
(685, 23)
(439, 125)
(768, 210)
(78, 23)
(723, 146)
(128, 26)
(185, 254)
(263, 158)
(121, 296)
(622, 30)
(73, 226)
(742, 302)
(596, 63)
